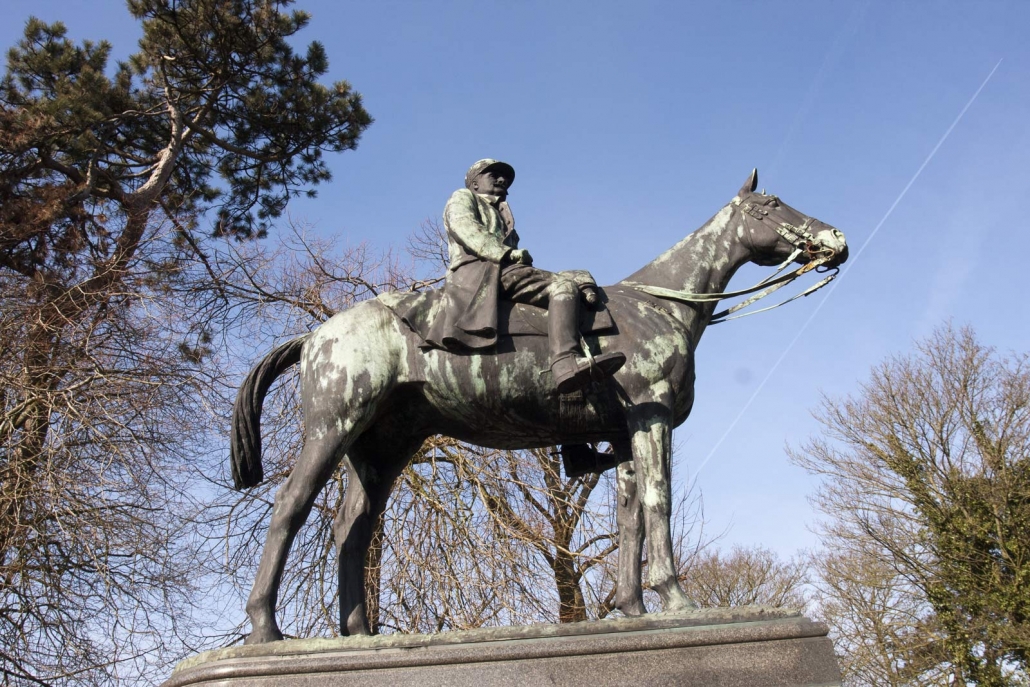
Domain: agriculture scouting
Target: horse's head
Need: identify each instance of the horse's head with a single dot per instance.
(776, 231)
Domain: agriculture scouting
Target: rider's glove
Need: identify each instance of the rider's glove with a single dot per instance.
(521, 256)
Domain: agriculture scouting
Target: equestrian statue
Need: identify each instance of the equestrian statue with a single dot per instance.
(512, 357)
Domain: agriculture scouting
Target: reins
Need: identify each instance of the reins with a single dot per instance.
(799, 237)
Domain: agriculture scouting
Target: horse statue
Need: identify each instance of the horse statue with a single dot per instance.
(371, 396)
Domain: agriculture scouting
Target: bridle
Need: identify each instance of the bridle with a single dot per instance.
(799, 237)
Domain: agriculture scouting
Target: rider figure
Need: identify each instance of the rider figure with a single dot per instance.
(487, 265)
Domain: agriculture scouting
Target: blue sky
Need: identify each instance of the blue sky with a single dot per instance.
(629, 124)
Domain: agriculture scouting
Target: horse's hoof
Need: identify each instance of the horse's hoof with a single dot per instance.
(633, 609)
(357, 632)
(263, 636)
(680, 606)
(674, 599)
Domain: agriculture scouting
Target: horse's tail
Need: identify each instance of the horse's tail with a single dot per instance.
(245, 439)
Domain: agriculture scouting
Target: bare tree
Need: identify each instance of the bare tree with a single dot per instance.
(883, 629)
(478, 537)
(94, 558)
(927, 496)
(746, 577)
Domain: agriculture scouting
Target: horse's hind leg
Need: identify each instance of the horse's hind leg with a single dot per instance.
(373, 464)
(629, 597)
(293, 502)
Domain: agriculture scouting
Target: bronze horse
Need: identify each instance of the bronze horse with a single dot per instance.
(371, 396)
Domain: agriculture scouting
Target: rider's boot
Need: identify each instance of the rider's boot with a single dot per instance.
(571, 369)
(584, 459)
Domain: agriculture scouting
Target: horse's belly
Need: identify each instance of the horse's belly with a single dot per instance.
(510, 388)
(507, 399)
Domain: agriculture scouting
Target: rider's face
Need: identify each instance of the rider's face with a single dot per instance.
(491, 182)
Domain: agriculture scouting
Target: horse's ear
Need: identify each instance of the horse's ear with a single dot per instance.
(751, 184)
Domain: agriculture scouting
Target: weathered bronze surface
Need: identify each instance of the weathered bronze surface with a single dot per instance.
(372, 392)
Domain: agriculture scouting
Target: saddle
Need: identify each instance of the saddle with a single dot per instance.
(417, 311)
(520, 319)
(513, 319)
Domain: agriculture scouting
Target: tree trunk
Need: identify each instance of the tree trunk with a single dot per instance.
(373, 577)
(571, 605)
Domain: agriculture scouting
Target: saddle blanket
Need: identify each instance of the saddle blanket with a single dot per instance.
(513, 319)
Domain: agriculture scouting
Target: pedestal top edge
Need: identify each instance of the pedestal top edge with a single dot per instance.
(699, 618)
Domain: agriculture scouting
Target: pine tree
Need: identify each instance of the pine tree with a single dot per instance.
(110, 177)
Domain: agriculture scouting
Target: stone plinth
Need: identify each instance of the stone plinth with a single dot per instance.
(720, 647)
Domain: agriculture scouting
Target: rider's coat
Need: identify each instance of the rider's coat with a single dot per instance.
(479, 239)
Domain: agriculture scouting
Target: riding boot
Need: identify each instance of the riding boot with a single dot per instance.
(571, 370)
(584, 459)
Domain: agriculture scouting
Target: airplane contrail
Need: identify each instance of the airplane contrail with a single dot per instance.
(851, 263)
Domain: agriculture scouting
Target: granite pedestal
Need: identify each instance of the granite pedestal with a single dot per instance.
(722, 647)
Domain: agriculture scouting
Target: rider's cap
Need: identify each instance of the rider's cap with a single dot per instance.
(483, 165)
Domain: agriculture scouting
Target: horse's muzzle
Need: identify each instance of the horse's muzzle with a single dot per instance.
(830, 246)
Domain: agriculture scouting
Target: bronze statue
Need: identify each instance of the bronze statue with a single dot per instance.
(372, 390)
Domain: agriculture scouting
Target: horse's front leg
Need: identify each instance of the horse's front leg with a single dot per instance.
(651, 437)
(629, 596)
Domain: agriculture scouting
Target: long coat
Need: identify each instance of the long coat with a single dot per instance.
(479, 241)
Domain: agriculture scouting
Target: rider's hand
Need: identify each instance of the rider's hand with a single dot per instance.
(521, 256)
(589, 293)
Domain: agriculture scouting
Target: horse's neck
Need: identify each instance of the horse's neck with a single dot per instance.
(704, 262)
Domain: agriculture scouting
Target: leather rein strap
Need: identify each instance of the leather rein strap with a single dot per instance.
(799, 237)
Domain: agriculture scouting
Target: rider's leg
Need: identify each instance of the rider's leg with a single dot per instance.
(560, 295)
(563, 319)
(570, 369)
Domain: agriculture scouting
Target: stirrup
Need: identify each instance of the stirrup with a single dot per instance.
(574, 372)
